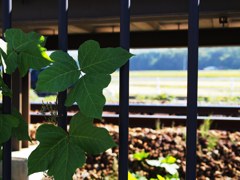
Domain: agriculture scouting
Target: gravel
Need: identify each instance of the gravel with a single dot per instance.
(221, 161)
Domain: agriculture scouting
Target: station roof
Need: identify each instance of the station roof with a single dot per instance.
(156, 17)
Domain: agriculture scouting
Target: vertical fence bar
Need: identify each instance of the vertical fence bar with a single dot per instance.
(26, 102)
(7, 103)
(16, 103)
(124, 92)
(63, 45)
(193, 29)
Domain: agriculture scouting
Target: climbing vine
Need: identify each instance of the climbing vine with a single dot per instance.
(60, 153)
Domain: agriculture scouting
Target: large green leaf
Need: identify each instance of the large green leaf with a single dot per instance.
(60, 153)
(66, 161)
(63, 73)
(93, 59)
(56, 153)
(88, 94)
(25, 50)
(7, 123)
(93, 140)
(21, 131)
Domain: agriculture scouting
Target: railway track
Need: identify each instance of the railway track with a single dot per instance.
(148, 115)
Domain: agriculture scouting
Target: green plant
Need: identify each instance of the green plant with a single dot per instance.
(165, 168)
(48, 107)
(133, 176)
(60, 153)
(140, 155)
(168, 163)
(210, 138)
(205, 127)
(114, 173)
(212, 142)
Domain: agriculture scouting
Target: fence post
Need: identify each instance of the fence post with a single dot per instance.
(193, 29)
(124, 92)
(7, 103)
(63, 45)
(26, 102)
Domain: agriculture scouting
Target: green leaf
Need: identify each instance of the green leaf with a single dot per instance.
(35, 59)
(7, 122)
(66, 161)
(93, 59)
(169, 160)
(159, 177)
(50, 137)
(25, 50)
(10, 61)
(140, 155)
(93, 140)
(4, 88)
(87, 92)
(63, 73)
(56, 153)
(60, 154)
(21, 131)
(172, 177)
(131, 177)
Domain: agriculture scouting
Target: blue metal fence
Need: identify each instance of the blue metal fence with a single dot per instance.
(6, 23)
(124, 91)
(63, 45)
(192, 83)
(124, 85)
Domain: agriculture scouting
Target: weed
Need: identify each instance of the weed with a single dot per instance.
(162, 168)
(49, 108)
(210, 138)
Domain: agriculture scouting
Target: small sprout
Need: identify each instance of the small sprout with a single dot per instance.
(140, 155)
(169, 160)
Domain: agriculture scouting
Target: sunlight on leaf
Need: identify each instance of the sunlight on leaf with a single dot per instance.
(160, 177)
(131, 177)
(140, 155)
(169, 160)
(25, 50)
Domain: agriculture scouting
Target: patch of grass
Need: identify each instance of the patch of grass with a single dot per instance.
(201, 99)
(35, 98)
(160, 97)
(169, 73)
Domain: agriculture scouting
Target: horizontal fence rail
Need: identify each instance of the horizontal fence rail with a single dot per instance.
(142, 115)
(161, 108)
